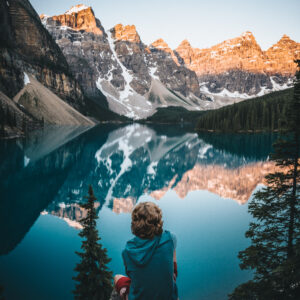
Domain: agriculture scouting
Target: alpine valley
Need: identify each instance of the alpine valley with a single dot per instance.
(69, 70)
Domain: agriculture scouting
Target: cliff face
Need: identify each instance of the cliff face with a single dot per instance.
(161, 45)
(14, 119)
(126, 33)
(81, 38)
(166, 67)
(281, 56)
(80, 17)
(240, 65)
(242, 53)
(28, 50)
(230, 54)
(28, 47)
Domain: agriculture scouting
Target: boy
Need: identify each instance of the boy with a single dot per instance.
(149, 258)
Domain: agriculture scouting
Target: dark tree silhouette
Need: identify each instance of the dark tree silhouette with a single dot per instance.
(266, 113)
(274, 253)
(94, 279)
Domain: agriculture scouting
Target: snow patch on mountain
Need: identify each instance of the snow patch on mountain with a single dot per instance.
(26, 79)
(263, 90)
(152, 71)
(126, 75)
(278, 87)
(224, 93)
(76, 9)
(126, 101)
(134, 106)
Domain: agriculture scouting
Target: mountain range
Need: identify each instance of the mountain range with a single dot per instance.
(68, 69)
(138, 78)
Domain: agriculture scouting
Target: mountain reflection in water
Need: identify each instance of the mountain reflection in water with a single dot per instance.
(50, 172)
(44, 178)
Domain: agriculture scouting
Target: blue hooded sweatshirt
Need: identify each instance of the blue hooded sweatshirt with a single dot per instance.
(149, 265)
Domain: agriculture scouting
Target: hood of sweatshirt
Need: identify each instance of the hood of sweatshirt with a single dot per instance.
(140, 250)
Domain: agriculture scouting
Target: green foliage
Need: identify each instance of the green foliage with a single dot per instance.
(94, 278)
(174, 114)
(266, 113)
(96, 108)
(274, 253)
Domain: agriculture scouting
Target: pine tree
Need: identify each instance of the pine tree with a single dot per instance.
(94, 278)
(274, 253)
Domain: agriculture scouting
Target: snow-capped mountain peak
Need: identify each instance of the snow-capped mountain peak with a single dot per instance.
(75, 9)
(137, 79)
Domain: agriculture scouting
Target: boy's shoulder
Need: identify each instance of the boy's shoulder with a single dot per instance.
(172, 236)
(166, 235)
(174, 239)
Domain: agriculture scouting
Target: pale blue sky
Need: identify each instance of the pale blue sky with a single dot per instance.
(203, 23)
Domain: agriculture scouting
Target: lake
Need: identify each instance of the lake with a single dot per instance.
(201, 182)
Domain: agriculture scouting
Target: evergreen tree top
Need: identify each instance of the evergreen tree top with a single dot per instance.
(94, 279)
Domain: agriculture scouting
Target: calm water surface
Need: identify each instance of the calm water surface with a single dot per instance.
(202, 183)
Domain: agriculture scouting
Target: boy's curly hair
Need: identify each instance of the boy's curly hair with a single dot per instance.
(146, 220)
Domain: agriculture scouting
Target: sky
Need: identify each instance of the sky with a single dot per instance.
(202, 23)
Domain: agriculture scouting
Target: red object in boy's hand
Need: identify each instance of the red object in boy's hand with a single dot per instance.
(123, 282)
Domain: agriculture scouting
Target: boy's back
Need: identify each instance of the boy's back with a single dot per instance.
(149, 264)
(149, 258)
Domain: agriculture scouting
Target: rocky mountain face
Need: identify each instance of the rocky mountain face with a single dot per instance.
(239, 67)
(14, 119)
(80, 17)
(28, 50)
(135, 78)
(27, 47)
(281, 56)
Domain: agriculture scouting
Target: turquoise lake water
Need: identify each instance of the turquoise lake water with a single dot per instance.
(201, 182)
